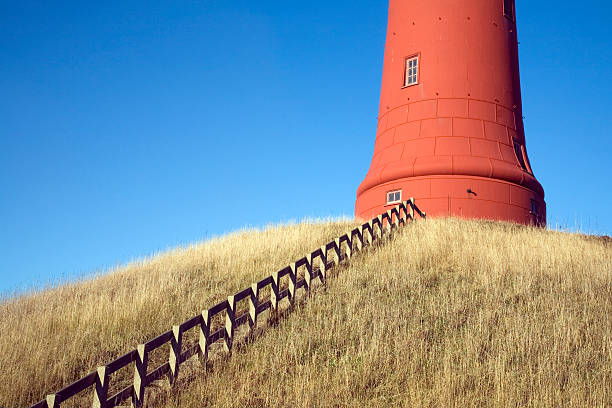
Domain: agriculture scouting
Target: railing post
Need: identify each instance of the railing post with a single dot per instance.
(308, 273)
(140, 376)
(204, 342)
(101, 389)
(397, 216)
(323, 266)
(253, 304)
(52, 401)
(338, 251)
(176, 344)
(375, 225)
(274, 294)
(349, 245)
(360, 238)
(292, 281)
(230, 318)
(411, 201)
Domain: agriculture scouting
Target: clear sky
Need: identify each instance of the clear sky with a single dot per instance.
(128, 127)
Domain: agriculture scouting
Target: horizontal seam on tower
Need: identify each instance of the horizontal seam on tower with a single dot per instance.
(455, 176)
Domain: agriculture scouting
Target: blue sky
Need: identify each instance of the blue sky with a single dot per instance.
(130, 127)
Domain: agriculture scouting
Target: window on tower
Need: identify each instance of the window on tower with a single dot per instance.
(534, 207)
(412, 71)
(518, 150)
(394, 197)
(509, 9)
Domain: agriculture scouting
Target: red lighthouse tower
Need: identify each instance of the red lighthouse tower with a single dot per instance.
(450, 128)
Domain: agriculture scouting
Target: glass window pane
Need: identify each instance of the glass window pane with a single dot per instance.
(411, 71)
(394, 197)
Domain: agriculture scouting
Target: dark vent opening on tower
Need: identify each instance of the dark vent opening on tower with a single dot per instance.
(509, 9)
(534, 207)
(518, 151)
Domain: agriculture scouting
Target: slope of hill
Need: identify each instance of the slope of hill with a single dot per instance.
(52, 338)
(448, 313)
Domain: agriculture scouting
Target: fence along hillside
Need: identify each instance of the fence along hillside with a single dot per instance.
(219, 323)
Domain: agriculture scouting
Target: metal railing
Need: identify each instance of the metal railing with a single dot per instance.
(283, 284)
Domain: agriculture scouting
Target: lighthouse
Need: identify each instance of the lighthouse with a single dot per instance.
(450, 125)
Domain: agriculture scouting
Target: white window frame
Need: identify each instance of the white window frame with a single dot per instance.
(394, 192)
(411, 72)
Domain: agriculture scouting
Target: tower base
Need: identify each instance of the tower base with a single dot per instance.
(459, 196)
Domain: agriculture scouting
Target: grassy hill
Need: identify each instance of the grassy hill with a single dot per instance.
(448, 313)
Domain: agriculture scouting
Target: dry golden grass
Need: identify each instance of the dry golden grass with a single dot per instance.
(52, 338)
(448, 313)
